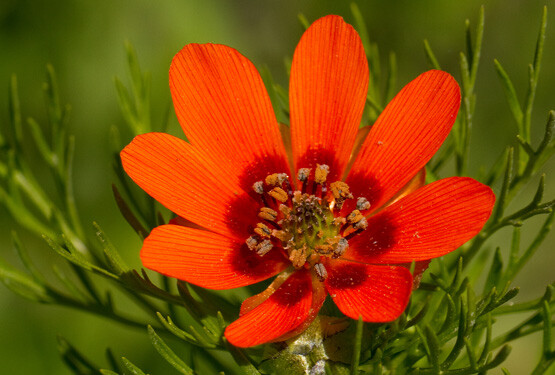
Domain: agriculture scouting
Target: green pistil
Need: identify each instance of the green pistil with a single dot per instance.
(310, 223)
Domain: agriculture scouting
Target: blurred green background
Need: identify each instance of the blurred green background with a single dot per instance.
(84, 41)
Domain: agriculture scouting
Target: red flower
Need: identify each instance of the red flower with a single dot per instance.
(251, 220)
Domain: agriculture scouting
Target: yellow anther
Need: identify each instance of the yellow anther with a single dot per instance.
(313, 258)
(262, 230)
(298, 197)
(339, 221)
(358, 220)
(298, 257)
(281, 235)
(340, 192)
(267, 213)
(325, 249)
(321, 173)
(284, 210)
(355, 217)
(279, 194)
(275, 179)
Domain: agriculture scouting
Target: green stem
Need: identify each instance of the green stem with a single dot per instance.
(101, 311)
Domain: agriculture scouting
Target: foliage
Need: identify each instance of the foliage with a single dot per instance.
(447, 329)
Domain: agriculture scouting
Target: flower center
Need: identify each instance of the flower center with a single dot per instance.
(306, 225)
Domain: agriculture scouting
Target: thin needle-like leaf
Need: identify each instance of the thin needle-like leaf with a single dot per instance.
(360, 26)
(534, 71)
(432, 59)
(168, 354)
(510, 94)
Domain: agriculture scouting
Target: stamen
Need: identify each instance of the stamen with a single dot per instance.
(264, 247)
(321, 271)
(258, 187)
(288, 187)
(262, 230)
(323, 193)
(321, 173)
(338, 221)
(276, 179)
(297, 197)
(320, 177)
(342, 246)
(357, 220)
(298, 257)
(356, 231)
(312, 259)
(361, 224)
(267, 213)
(354, 217)
(251, 243)
(279, 194)
(340, 192)
(281, 235)
(303, 174)
(302, 224)
(362, 204)
(286, 211)
(325, 249)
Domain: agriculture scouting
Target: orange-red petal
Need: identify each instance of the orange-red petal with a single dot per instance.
(206, 259)
(175, 174)
(224, 110)
(415, 183)
(319, 295)
(286, 309)
(377, 293)
(327, 92)
(428, 223)
(253, 301)
(405, 136)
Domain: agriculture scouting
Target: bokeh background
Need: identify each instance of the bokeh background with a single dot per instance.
(84, 41)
